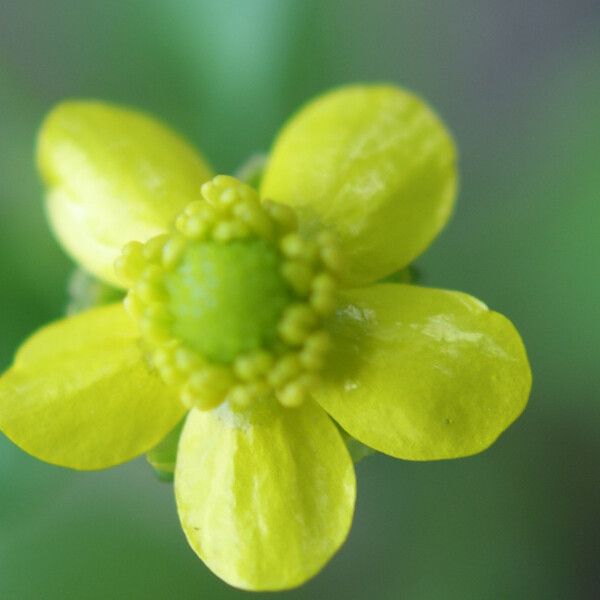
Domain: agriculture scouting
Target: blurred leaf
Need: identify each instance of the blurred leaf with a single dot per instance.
(85, 291)
(162, 457)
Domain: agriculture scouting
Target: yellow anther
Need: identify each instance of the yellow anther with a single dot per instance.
(245, 210)
(222, 181)
(173, 251)
(301, 314)
(297, 322)
(210, 385)
(240, 396)
(213, 376)
(207, 213)
(181, 223)
(188, 396)
(225, 191)
(252, 366)
(313, 361)
(228, 197)
(324, 283)
(162, 357)
(323, 296)
(193, 208)
(152, 274)
(225, 231)
(284, 215)
(209, 191)
(263, 361)
(296, 392)
(186, 359)
(243, 367)
(323, 303)
(319, 342)
(153, 247)
(292, 395)
(133, 249)
(131, 263)
(251, 214)
(291, 333)
(170, 375)
(285, 368)
(200, 399)
(293, 246)
(315, 349)
(195, 227)
(298, 274)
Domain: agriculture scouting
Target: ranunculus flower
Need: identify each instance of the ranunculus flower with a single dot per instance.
(261, 314)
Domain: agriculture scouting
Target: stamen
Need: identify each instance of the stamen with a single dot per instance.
(231, 303)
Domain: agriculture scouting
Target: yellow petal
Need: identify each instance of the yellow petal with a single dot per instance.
(265, 500)
(423, 374)
(113, 175)
(79, 394)
(372, 163)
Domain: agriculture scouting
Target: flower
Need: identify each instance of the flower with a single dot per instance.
(262, 315)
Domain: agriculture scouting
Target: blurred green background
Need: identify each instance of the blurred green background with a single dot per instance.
(519, 85)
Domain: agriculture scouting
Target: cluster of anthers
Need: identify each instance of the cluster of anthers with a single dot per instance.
(187, 314)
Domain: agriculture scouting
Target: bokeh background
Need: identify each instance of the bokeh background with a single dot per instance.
(519, 84)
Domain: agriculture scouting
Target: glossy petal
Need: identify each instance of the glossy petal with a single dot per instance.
(264, 500)
(423, 374)
(113, 175)
(372, 163)
(79, 394)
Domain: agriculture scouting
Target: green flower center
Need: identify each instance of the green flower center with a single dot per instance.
(231, 304)
(227, 299)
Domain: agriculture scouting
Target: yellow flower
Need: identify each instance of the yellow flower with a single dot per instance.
(261, 314)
